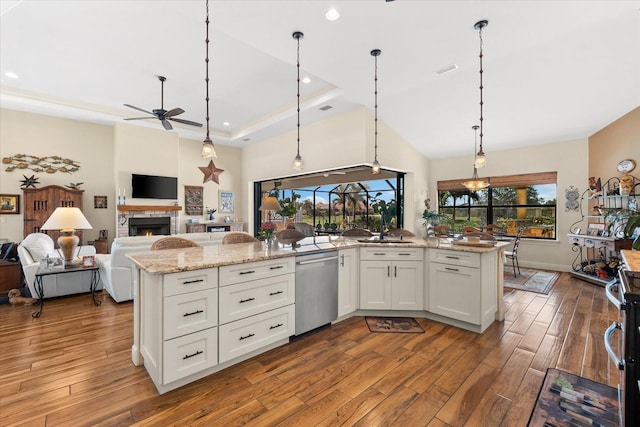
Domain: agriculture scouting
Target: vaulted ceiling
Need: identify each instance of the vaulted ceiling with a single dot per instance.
(553, 70)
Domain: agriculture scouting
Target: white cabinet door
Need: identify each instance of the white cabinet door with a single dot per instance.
(348, 281)
(407, 285)
(375, 285)
(454, 291)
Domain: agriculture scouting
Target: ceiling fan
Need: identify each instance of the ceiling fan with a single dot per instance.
(161, 114)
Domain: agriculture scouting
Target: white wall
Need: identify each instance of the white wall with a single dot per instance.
(340, 141)
(570, 159)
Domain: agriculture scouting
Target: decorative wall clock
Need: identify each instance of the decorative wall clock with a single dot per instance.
(626, 165)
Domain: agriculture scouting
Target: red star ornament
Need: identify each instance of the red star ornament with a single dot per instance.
(211, 173)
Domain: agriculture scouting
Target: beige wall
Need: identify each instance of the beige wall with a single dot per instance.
(340, 141)
(618, 141)
(569, 159)
(108, 155)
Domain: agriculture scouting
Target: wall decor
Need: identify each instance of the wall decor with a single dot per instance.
(193, 199)
(74, 185)
(211, 173)
(100, 202)
(29, 181)
(226, 201)
(9, 203)
(572, 194)
(48, 164)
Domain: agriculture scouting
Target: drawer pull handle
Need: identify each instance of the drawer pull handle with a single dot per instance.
(379, 253)
(192, 313)
(395, 271)
(189, 282)
(192, 355)
(274, 293)
(247, 272)
(276, 267)
(246, 300)
(342, 262)
(388, 271)
(246, 336)
(403, 254)
(451, 257)
(277, 326)
(451, 269)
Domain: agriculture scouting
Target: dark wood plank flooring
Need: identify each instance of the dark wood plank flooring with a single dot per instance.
(72, 367)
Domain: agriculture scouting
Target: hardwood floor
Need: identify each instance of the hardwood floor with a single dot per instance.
(72, 367)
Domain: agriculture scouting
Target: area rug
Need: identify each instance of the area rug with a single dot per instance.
(569, 400)
(394, 324)
(530, 280)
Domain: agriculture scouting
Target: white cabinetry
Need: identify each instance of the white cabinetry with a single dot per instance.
(256, 305)
(179, 335)
(462, 286)
(391, 278)
(348, 274)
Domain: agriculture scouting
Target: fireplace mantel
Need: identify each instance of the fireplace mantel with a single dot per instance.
(127, 208)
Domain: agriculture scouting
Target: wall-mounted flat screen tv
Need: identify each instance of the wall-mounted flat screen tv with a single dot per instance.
(154, 187)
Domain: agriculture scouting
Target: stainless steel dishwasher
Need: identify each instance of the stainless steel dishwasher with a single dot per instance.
(316, 290)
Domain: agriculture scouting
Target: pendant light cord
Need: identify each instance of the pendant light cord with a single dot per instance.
(206, 60)
(375, 54)
(481, 84)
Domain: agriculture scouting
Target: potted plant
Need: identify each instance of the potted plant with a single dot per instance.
(622, 223)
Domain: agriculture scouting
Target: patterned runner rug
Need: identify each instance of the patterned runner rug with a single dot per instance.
(530, 280)
(394, 324)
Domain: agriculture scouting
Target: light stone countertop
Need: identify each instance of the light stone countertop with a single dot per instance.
(631, 259)
(177, 260)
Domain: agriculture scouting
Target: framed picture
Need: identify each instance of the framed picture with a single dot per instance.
(193, 200)
(595, 229)
(89, 261)
(226, 201)
(104, 235)
(9, 203)
(100, 202)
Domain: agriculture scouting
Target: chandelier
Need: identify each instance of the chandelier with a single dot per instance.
(475, 183)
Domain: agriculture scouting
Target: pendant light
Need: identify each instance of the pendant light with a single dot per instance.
(475, 183)
(207, 144)
(375, 166)
(297, 161)
(481, 159)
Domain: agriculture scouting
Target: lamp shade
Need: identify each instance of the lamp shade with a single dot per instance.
(66, 218)
(208, 150)
(270, 203)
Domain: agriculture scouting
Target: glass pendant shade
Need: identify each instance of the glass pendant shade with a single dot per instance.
(475, 183)
(375, 167)
(208, 150)
(297, 162)
(481, 159)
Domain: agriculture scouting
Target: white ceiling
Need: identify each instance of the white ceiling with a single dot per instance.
(554, 70)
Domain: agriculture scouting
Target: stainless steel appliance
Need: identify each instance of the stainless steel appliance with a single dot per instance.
(316, 290)
(628, 357)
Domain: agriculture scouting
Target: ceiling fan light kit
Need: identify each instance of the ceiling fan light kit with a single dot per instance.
(375, 166)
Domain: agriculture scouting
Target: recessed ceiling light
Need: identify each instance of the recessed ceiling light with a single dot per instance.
(11, 75)
(306, 80)
(447, 69)
(332, 14)
(226, 123)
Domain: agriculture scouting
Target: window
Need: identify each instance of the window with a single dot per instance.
(515, 201)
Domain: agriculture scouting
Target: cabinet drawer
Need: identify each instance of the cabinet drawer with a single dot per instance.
(257, 296)
(190, 312)
(469, 259)
(190, 281)
(369, 253)
(607, 244)
(246, 335)
(231, 274)
(575, 240)
(189, 354)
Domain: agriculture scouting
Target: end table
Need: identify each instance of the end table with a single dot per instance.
(48, 271)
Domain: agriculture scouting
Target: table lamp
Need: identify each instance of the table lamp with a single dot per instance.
(270, 203)
(67, 220)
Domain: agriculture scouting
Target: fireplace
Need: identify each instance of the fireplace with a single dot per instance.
(150, 226)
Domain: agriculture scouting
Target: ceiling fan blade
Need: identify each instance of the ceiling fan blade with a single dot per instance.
(174, 112)
(139, 109)
(186, 122)
(139, 118)
(166, 125)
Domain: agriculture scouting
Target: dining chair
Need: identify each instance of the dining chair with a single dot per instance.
(400, 232)
(238, 237)
(493, 229)
(470, 229)
(173, 243)
(513, 253)
(442, 230)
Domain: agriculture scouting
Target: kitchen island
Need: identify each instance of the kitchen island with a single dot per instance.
(200, 310)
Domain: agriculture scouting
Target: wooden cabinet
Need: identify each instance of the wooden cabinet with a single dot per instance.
(391, 278)
(348, 275)
(10, 276)
(196, 228)
(462, 286)
(39, 204)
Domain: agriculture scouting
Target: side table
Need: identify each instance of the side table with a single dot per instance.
(10, 276)
(47, 271)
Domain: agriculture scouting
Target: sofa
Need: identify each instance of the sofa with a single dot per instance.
(117, 272)
(37, 246)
